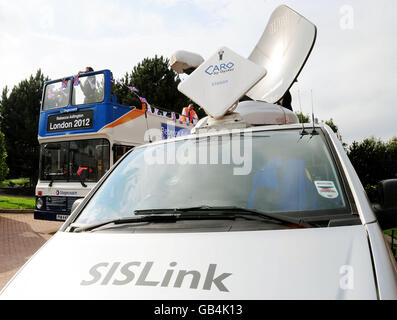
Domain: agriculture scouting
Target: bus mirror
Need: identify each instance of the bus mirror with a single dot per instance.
(386, 210)
(76, 204)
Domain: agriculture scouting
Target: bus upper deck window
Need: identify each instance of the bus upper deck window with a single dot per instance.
(91, 89)
(56, 95)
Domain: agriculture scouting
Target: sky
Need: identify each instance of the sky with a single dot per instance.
(351, 71)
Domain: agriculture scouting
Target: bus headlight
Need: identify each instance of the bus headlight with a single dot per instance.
(39, 203)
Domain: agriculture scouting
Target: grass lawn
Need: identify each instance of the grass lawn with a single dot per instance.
(389, 232)
(17, 203)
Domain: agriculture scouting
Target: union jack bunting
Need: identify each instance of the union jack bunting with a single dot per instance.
(132, 88)
(64, 84)
(164, 113)
(76, 80)
(156, 111)
(149, 109)
(173, 115)
(143, 100)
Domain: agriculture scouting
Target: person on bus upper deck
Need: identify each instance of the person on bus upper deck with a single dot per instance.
(89, 86)
(87, 69)
(188, 114)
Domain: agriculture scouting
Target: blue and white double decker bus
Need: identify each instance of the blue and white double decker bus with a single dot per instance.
(82, 132)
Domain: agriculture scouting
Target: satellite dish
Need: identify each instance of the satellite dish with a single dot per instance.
(220, 81)
(282, 50)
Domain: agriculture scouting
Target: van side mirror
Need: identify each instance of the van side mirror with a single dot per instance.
(386, 210)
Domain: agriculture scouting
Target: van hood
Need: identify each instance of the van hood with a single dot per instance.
(326, 263)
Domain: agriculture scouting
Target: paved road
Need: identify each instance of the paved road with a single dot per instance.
(20, 237)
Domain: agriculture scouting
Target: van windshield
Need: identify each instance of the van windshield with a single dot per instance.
(271, 171)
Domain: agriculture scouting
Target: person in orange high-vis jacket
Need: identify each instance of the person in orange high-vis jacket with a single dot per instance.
(189, 115)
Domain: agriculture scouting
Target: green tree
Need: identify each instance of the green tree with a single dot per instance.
(391, 163)
(303, 118)
(3, 153)
(19, 122)
(335, 129)
(332, 125)
(156, 82)
(372, 163)
(3, 156)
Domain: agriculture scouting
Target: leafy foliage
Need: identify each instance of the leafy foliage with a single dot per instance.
(374, 161)
(332, 125)
(156, 82)
(19, 122)
(303, 118)
(3, 156)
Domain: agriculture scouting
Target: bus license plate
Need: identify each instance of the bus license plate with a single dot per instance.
(62, 217)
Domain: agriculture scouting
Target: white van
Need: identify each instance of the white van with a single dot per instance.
(251, 205)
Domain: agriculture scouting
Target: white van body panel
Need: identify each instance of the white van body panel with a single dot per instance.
(325, 263)
(384, 263)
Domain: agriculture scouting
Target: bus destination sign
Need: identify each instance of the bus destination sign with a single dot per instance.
(70, 121)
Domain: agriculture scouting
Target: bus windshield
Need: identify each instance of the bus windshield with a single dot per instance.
(56, 95)
(89, 89)
(83, 160)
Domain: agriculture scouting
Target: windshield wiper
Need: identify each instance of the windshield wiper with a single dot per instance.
(161, 218)
(232, 211)
(134, 219)
(52, 174)
(176, 214)
(83, 183)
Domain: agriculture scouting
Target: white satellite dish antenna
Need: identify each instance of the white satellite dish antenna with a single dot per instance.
(220, 81)
(282, 50)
